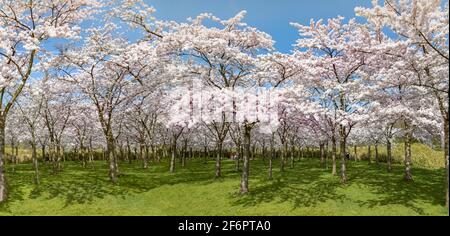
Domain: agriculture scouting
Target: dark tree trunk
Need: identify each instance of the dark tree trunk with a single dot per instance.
(185, 153)
(58, 167)
(13, 157)
(205, 155)
(377, 161)
(35, 161)
(322, 155)
(43, 152)
(263, 150)
(333, 155)
(389, 154)
(91, 153)
(326, 155)
(246, 167)
(272, 154)
(3, 190)
(369, 154)
(283, 157)
(446, 147)
(110, 155)
(219, 159)
(17, 154)
(128, 152)
(343, 148)
(153, 153)
(292, 153)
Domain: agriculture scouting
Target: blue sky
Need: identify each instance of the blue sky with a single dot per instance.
(270, 16)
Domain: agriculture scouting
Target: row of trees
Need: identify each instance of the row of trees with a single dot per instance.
(218, 84)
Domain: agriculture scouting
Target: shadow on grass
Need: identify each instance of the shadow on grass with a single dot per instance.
(428, 186)
(307, 186)
(304, 186)
(77, 185)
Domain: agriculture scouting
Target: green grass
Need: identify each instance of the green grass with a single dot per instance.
(305, 190)
(422, 155)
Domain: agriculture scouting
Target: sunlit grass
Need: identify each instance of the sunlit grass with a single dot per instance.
(306, 189)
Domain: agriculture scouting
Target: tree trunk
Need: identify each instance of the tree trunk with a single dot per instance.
(17, 154)
(408, 174)
(174, 151)
(35, 161)
(283, 157)
(184, 156)
(91, 153)
(343, 147)
(110, 156)
(446, 147)
(263, 150)
(389, 154)
(153, 153)
(83, 156)
(356, 153)
(13, 157)
(252, 152)
(246, 166)
(58, 157)
(219, 160)
(369, 154)
(43, 152)
(272, 153)
(291, 153)
(145, 157)
(205, 155)
(128, 152)
(3, 190)
(116, 162)
(322, 155)
(333, 154)
(377, 161)
(142, 153)
(238, 159)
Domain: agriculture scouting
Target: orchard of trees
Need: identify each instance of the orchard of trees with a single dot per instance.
(73, 87)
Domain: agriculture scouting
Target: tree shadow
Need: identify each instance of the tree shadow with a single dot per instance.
(304, 186)
(428, 186)
(77, 185)
(307, 186)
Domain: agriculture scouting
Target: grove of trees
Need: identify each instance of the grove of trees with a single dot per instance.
(209, 87)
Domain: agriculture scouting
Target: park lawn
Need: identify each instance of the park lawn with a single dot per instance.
(422, 154)
(306, 189)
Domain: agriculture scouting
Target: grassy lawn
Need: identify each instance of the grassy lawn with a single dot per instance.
(423, 155)
(305, 190)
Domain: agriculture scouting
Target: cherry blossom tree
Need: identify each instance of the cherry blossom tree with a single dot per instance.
(335, 69)
(422, 27)
(92, 68)
(24, 27)
(30, 106)
(223, 58)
